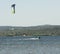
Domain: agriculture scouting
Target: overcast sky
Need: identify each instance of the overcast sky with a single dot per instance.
(30, 12)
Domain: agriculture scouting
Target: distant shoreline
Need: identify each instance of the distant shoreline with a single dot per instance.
(45, 30)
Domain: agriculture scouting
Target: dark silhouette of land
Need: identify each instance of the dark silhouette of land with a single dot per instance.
(42, 30)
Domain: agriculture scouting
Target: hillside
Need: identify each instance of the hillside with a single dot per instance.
(49, 30)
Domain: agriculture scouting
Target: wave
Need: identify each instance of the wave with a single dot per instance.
(27, 39)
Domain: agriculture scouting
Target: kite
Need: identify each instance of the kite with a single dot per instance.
(13, 8)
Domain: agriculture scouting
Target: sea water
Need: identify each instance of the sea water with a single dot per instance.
(30, 45)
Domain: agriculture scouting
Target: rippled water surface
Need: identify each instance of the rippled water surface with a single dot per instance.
(30, 45)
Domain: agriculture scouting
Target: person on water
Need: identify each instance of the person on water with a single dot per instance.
(39, 37)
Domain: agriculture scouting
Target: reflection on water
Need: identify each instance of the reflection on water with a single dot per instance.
(19, 45)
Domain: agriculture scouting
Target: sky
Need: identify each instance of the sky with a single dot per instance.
(30, 12)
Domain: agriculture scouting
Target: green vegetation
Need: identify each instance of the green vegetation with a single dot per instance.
(43, 30)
